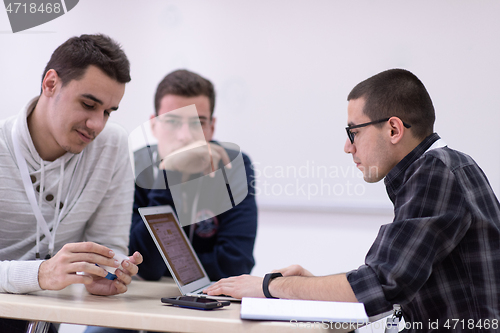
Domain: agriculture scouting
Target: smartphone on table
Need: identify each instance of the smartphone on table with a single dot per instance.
(193, 302)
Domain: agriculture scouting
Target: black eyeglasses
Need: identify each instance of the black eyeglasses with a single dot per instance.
(351, 135)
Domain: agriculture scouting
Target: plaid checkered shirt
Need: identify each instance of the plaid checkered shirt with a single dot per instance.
(440, 257)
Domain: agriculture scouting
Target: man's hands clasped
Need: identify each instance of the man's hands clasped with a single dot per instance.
(196, 157)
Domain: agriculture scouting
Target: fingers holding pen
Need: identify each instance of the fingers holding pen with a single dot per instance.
(61, 270)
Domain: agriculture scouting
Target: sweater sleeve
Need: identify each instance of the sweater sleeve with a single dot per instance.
(19, 277)
(16, 276)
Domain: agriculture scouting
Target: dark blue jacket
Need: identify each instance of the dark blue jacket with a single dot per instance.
(223, 243)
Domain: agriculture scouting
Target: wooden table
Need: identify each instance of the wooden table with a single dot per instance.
(139, 308)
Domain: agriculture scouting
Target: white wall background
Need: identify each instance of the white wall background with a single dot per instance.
(282, 71)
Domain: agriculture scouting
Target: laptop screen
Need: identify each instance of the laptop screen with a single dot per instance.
(178, 253)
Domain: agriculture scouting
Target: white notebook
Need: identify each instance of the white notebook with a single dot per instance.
(300, 310)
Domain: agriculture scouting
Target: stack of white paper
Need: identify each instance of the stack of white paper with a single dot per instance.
(300, 310)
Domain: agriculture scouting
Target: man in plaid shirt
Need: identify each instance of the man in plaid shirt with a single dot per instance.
(440, 257)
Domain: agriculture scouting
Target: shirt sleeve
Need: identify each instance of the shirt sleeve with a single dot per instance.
(430, 219)
(19, 277)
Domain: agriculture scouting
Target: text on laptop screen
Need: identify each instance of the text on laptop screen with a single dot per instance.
(168, 234)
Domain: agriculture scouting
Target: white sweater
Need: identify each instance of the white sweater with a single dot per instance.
(99, 205)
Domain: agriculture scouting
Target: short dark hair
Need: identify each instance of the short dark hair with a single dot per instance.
(185, 83)
(397, 92)
(72, 58)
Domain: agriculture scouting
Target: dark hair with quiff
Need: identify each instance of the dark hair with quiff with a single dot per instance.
(397, 92)
(72, 58)
(187, 84)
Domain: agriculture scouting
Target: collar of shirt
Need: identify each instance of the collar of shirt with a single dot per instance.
(395, 177)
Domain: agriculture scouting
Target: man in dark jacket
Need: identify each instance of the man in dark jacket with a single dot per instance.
(224, 242)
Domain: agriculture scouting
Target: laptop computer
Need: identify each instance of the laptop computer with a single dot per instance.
(177, 252)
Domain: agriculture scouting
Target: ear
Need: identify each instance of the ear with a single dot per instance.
(397, 130)
(50, 82)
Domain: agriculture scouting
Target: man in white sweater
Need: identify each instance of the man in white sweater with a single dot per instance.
(66, 185)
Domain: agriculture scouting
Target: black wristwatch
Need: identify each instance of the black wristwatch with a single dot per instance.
(265, 284)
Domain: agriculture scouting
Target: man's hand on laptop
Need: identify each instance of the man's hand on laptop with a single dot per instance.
(237, 287)
(196, 157)
(250, 286)
(76, 263)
